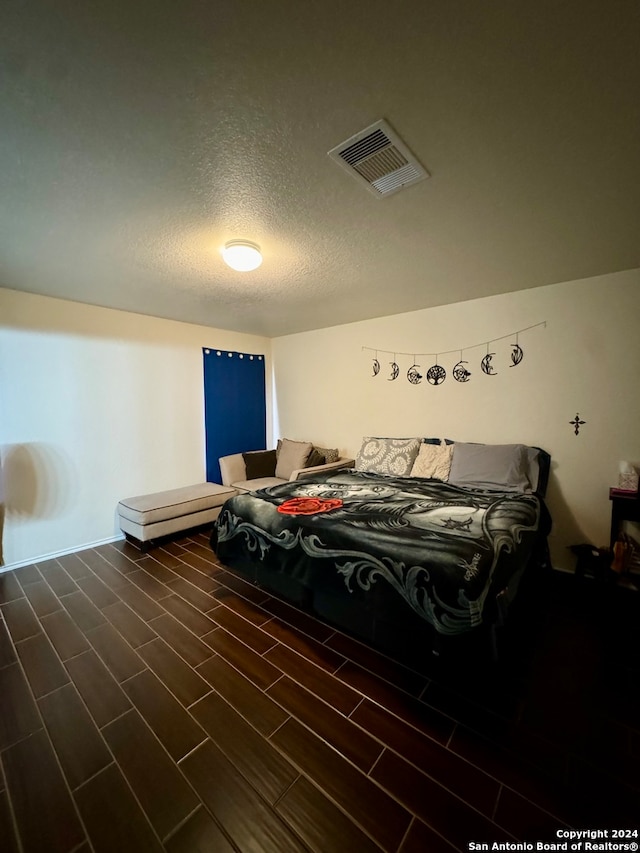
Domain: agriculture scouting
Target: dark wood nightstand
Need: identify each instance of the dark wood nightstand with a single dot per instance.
(625, 506)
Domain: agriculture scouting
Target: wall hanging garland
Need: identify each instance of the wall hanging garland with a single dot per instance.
(437, 373)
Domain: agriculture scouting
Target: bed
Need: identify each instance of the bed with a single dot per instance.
(393, 558)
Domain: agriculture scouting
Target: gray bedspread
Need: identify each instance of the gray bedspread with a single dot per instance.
(439, 547)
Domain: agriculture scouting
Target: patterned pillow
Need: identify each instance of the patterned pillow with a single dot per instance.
(433, 461)
(330, 454)
(393, 456)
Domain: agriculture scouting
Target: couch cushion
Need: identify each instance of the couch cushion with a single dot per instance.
(260, 483)
(147, 509)
(293, 455)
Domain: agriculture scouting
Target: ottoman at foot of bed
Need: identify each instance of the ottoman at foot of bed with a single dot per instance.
(145, 518)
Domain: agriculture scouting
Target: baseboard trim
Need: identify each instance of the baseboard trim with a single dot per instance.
(52, 556)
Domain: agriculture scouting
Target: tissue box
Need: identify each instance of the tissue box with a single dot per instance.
(628, 481)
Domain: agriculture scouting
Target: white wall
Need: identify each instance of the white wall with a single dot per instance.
(95, 405)
(586, 360)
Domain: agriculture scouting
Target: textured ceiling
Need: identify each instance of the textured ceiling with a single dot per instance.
(136, 138)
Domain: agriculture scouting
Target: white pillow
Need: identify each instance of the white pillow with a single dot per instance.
(433, 461)
(293, 455)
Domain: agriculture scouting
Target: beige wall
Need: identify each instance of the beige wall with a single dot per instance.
(95, 405)
(586, 360)
(98, 404)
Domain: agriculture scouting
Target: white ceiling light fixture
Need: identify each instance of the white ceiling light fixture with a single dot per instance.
(241, 255)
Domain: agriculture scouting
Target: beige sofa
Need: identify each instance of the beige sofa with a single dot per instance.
(234, 473)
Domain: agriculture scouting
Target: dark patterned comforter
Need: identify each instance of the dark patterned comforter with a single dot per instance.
(440, 547)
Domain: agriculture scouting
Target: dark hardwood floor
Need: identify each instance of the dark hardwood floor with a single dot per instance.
(158, 702)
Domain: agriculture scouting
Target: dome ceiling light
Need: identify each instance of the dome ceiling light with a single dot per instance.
(241, 255)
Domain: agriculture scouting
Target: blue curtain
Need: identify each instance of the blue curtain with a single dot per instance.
(235, 411)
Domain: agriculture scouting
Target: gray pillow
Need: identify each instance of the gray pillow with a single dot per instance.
(293, 455)
(533, 466)
(501, 467)
(392, 456)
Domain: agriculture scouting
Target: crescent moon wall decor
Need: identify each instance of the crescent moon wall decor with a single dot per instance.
(437, 374)
(516, 355)
(486, 365)
(460, 373)
(413, 374)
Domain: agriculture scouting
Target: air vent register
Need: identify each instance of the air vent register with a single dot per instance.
(379, 159)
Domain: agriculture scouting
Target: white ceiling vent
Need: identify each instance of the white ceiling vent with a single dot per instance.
(379, 159)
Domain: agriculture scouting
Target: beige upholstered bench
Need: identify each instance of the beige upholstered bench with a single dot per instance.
(147, 517)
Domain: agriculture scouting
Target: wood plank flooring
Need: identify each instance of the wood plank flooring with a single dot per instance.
(159, 702)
